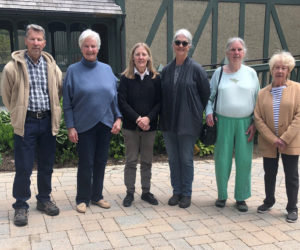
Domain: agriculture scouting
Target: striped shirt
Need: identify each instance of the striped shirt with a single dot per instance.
(38, 82)
(277, 93)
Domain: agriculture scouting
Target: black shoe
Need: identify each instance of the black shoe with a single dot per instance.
(149, 198)
(174, 200)
(21, 217)
(292, 217)
(220, 203)
(264, 208)
(185, 201)
(128, 199)
(48, 207)
(241, 206)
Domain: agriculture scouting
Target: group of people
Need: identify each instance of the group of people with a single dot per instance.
(173, 101)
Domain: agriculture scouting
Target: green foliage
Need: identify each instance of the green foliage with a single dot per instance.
(6, 133)
(203, 150)
(159, 144)
(66, 150)
(117, 147)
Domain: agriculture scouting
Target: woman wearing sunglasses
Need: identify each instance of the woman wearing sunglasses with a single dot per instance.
(185, 92)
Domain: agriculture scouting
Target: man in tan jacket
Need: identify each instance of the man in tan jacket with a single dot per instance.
(31, 87)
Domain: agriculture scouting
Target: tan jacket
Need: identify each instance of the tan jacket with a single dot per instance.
(15, 90)
(288, 123)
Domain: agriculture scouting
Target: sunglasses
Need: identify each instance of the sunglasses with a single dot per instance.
(184, 43)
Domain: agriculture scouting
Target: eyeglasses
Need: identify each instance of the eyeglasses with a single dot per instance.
(184, 43)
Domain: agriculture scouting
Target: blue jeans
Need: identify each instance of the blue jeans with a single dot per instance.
(37, 139)
(180, 149)
(93, 146)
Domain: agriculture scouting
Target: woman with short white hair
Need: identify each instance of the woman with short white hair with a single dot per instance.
(91, 115)
(185, 92)
(237, 86)
(277, 118)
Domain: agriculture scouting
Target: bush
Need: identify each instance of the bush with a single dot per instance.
(66, 150)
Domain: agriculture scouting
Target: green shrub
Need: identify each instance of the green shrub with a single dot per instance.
(66, 150)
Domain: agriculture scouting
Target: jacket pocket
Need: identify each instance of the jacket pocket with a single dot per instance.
(17, 117)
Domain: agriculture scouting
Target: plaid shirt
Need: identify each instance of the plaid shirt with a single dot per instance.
(38, 82)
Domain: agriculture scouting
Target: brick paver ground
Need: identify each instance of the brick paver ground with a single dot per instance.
(142, 226)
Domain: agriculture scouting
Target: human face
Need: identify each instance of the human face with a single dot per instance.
(180, 50)
(140, 59)
(35, 43)
(279, 73)
(236, 53)
(89, 49)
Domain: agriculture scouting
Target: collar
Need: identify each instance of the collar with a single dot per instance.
(27, 57)
(143, 74)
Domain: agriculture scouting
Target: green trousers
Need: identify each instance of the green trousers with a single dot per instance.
(232, 138)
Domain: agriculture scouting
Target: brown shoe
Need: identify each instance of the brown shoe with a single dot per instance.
(102, 203)
(81, 207)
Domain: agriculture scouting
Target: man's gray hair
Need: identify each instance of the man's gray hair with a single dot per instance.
(35, 27)
(89, 33)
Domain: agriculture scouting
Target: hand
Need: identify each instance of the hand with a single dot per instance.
(73, 135)
(280, 144)
(210, 120)
(251, 132)
(143, 123)
(116, 126)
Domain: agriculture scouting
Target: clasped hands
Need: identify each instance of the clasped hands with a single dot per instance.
(143, 123)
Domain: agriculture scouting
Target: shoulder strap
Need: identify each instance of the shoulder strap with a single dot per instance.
(216, 96)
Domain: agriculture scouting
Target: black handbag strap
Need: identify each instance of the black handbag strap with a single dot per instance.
(216, 96)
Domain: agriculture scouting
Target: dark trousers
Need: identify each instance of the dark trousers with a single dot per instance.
(290, 166)
(37, 139)
(180, 149)
(93, 146)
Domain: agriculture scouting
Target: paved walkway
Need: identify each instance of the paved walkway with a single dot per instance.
(142, 226)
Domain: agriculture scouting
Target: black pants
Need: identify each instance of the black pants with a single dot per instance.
(290, 166)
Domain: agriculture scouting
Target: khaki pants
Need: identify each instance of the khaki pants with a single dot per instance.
(138, 143)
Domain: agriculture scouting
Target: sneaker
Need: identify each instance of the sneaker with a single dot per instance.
(102, 203)
(220, 203)
(185, 201)
(21, 217)
(81, 207)
(48, 207)
(174, 200)
(264, 208)
(128, 199)
(149, 198)
(241, 206)
(292, 217)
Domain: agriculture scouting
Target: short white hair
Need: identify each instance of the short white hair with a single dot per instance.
(235, 39)
(89, 33)
(185, 33)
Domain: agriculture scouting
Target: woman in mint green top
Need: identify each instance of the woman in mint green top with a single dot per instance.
(237, 92)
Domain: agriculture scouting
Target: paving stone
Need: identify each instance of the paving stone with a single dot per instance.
(178, 234)
(109, 225)
(61, 244)
(237, 244)
(199, 240)
(77, 237)
(135, 232)
(137, 240)
(94, 246)
(117, 239)
(44, 245)
(96, 236)
(180, 244)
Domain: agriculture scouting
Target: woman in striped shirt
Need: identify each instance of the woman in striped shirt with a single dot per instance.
(277, 118)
